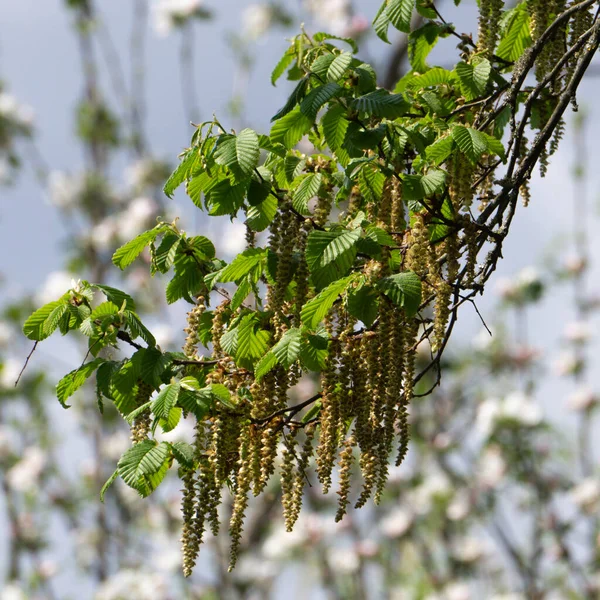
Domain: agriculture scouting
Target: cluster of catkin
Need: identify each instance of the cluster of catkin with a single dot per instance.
(366, 384)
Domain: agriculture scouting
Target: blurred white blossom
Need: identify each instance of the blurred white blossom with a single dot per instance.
(586, 495)
(115, 444)
(10, 109)
(516, 408)
(582, 398)
(7, 335)
(257, 19)
(568, 363)
(24, 475)
(139, 215)
(56, 284)
(491, 468)
(9, 371)
(252, 568)
(170, 13)
(335, 15)
(64, 190)
(343, 560)
(460, 506)
(397, 523)
(134, 585)
(578, 332)
(12, 591)
(281, 543)
(468, 549)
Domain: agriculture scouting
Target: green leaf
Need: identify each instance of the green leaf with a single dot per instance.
(295, 97)
(166, 400)
(516, 36)
(250, 261)
(284, 62)
(34, 327)
(290, 129)
(184, 454)
(403, 289)
(264, 365)
(335, 124)
(439, 151)
(225, 198)
(313, 354)
(127, 253)
(108, 483)
(381, 23)
(339, 66)
(144, 466)
(400, 13)
(439, 229)
(251, 342)
(71, 382)
(363, 304)
(431, 78)
(494, 145)
(247, 150)
(164, 257)
(322, 36)
(311, 105)
(287, 349)
(473, 78)
(182, 172)
(308, 188)
(123, 386)
(417, 187)
(259, 217)
(381, 103)
(420, 43)
(114, 295)
(315, 310)
(172, 419)
(52, 322)
(153, 365)
(470, 142)
(331, 254)
(370, 182)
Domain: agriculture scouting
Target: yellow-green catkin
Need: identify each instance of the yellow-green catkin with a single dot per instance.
(418, 247)
(368, 424)
(191, 331)
(459, 186)
(218, 328)
(581, 21)
(346, 460)
(490, 12)
(240, 502)
(326, 449)
(300, 474)
(471, 235)
(287, 479)
(444, 287)
(189, 542)
(410, 355)
(524, 190)
(302, 272)
(142, 423)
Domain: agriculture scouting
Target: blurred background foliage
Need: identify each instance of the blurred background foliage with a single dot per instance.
(499, 497)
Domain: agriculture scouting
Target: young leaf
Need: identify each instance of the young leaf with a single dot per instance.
(251, 342)
(307, 189)
(417, 187)
(166, 400)
(108, 483)
(247, 150)
(311, 105)
(290, 129)
(403, 289)
(250, 261)
(144, 466)
(381, 23)
(314, 311)
(286, 60)
(330, 254)
(287, 349)
(339, 66)
(182, 172)
(71, 382)
(259, 217)
(114, 295)
(184, 454)
(517, 35)
(127, 253)
(473, 78)
(470, 142)
(295, 97)
(400, 13)
(34, 327)
(439, 151)
(322, 36)
(381, 103)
